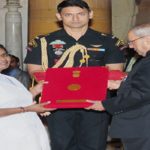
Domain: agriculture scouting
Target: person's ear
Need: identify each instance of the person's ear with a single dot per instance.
(147, 40)
(91, 14)
(58, 16)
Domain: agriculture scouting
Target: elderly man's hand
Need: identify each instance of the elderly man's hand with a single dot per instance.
(113, 84)
(96, 105)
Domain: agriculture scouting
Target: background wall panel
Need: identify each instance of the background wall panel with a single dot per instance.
(144, 12)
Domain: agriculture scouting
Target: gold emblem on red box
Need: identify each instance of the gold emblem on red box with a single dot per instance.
(76, 74)
(74, 87)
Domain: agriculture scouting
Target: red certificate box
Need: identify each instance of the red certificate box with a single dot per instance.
(39, 75)
(113, 75)
(116, 75)
(71, 87)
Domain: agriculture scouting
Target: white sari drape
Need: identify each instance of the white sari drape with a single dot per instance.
(23, 131)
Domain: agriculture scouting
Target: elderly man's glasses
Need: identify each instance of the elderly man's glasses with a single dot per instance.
(130, 42)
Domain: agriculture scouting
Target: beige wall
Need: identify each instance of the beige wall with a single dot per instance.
(126, 14)
(123, 17)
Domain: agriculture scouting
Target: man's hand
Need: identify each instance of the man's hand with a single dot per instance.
(96, 105)
(113, 84)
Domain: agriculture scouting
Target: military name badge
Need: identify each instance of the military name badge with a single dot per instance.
(58, 47)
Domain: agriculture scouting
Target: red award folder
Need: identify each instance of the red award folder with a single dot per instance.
(39, 75)
(116, 75)
(71, 87)
(113, 75)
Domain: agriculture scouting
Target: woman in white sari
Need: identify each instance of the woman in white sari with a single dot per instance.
(20, 126)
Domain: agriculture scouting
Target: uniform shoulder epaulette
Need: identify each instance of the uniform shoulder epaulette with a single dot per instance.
(119, 43)
(113, 36)
(42, 35)
(107, 35)
(33, 43)
(104, 34)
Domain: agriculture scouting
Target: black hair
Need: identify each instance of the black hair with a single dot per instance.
(70, 3)
(15, 57)
(2, 47)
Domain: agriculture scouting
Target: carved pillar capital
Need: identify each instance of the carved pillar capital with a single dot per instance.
(13, 2)
(12, 5)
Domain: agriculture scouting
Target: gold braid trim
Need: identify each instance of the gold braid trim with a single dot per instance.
(85, 57)
(70, 53)
(44, 56)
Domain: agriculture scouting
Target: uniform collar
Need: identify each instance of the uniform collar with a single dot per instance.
(65, 33)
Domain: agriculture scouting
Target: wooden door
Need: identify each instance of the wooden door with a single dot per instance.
(42, 18)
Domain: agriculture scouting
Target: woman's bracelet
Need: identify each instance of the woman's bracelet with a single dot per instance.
(22, 109)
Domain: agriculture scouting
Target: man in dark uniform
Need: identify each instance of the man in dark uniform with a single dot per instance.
(75, 129)
(131, 107)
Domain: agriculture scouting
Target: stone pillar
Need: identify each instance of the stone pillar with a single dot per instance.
(13, 29)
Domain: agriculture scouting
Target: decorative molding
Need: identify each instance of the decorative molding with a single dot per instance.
(2, 3)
